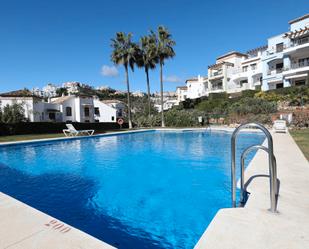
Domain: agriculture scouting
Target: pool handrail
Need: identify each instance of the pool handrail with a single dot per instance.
(271, 162)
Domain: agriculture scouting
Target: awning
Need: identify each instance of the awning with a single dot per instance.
(275, 81)
(296, 76)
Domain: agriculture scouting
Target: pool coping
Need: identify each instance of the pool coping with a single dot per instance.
(43, 140)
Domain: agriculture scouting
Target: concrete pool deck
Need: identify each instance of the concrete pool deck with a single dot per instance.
(250, 227)
(254, 226)
(23, 227)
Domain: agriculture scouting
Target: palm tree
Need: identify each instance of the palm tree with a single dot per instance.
(165, 51)
(148, 59)
(125, 53)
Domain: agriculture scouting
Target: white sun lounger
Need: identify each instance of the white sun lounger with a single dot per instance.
(72, 132)
(280, 126)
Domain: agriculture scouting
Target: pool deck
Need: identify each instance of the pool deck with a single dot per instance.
(23, 227)
(254, 226)
(250, 227)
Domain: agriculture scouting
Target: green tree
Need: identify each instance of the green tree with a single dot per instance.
(165, 51)
(61, 91)
(13, 114)
(125, 52)
(148, 58)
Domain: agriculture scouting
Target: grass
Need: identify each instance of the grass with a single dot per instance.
(301, 137)
(14, 138)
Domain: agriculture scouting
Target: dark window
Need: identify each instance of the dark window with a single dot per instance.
(96, 121)
(279, 67)
(120, 112)
(52, 116)
(300, 82)
(87, 121)
(245, 68)
(279, 47)
(68, 111)
(280, 85)
(113, 118)
(97, 111)
(243, 82)
(86, 111)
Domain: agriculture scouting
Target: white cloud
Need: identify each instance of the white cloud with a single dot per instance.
(172, 79)
(110, 71)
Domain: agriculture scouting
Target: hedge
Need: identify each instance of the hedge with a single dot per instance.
(49, 127)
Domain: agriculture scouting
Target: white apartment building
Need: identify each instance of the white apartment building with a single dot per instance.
(169, 100)
(108, 110)
(70, 108)
(197, 87)
(286, 62)
(181, 93)
(35, 109)
(76, 108)
(47, 91)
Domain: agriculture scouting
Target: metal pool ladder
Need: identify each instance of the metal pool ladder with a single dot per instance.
(271, 161)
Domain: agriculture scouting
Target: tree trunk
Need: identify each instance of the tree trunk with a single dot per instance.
(161, 84)
(148, 92)
(128, 97)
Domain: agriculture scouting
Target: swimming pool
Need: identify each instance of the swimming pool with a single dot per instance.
(153, 189)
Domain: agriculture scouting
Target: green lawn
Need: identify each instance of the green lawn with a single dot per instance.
(14, 138)
(28, 137)
(301, 137)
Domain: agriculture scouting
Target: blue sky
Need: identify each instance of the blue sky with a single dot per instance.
(57, 41)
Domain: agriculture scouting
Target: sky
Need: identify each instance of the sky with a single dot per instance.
(57, 41)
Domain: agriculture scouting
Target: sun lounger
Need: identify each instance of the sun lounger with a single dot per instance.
(280, 126)
(72, 132)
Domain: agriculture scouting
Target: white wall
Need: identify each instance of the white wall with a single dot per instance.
(107, 113)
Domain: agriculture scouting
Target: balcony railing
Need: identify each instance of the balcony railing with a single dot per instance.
(299, 64)
(216, 87)
(298, 42)
(271, 72)
(217, 73)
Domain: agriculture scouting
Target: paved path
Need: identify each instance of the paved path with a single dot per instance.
(254, 227)
(23, 227)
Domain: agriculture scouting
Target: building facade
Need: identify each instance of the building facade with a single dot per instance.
(286, 62)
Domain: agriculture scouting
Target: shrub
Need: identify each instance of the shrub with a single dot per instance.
(253, 106)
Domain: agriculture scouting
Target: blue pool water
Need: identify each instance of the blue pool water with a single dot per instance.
(143, 190)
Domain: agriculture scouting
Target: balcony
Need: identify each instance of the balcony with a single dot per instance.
(294, 68)
(296, 45)
(274, 72)
(216, 73)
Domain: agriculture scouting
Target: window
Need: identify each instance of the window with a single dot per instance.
(300, 82)
(52, 116)
(68, 111)
(245, 68)
(97, 111)
(279, 47)
(279, 67)
(120, 112)
(113, 118)
(280, 85)
(243, 82)
(96, 121)
(87, 121)
(42, 115)
(86, 111)
(253, 66)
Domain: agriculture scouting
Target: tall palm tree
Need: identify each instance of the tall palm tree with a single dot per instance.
(165, 51)
(148, 58)
(125, 53)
